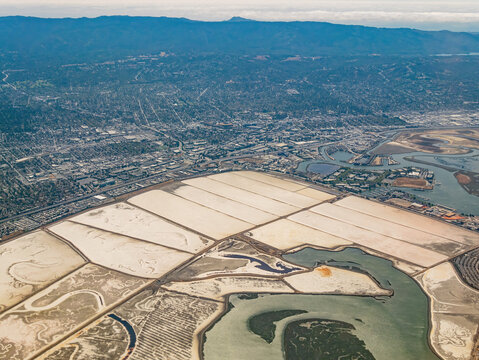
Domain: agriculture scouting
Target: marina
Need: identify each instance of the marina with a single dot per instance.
(447, 191)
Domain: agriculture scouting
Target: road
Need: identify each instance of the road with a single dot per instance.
(113, 187)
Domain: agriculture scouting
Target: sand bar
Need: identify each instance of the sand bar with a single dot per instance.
(327, 279)
(216, 288)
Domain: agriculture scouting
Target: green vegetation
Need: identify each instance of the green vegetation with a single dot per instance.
(27, 84)
(248, 296)
(106, 37)
(392, 327)
(264, 324)
(323, 339)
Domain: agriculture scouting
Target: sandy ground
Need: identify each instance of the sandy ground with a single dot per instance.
(408, 268)
(444, 141)
(166, 324)
(449, 294)
(221, 260)
(462, 179)
(412, 183)
(224, 205)
(393, 147)
(272, 180)
(453, 336)
(316, 194)
(326, 279)
(319, 281)
(248, 269)
(233, 257)
(378, 161)
(385, 227)
(128, 220)
(455, 312)
(216, 288)
(61, 309)
(196, 348)
(189, 214)
(286, 234)
(243, 196)
(107, 335)
(169, 331)
(117, 252)
(31, 263)
(91, 341)
(264, 189)
(409, 219)
(375, 241)
(230, 204)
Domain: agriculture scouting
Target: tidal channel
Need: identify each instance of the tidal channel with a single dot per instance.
(394, 327)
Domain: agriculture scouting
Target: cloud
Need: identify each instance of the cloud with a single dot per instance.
(426, 14)
(370, 16)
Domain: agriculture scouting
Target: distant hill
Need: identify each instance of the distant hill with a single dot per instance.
(87, 39)
(239, 19)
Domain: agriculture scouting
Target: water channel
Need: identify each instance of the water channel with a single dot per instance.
(393, 327)
(447, 190)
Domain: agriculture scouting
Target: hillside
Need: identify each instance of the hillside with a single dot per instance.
(87, 39)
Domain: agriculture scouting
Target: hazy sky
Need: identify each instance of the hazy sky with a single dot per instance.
(425, 14)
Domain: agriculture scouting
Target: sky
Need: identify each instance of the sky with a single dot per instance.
(457, 15)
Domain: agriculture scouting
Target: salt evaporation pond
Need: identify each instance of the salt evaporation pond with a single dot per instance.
(393, 327)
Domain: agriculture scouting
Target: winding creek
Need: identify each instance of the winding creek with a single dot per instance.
(393, 327)
(129, 329)
(260, 264)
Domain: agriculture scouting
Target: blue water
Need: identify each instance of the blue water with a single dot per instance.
(392, 327)
(322, 168)
(283, 269)
(447, 190)
(128, 328)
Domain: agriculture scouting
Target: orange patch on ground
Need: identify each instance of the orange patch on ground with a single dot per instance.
(412, 183)
(324, 271)
(462, 178)
(453, 217)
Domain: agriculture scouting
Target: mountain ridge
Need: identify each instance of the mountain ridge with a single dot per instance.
(69, 39)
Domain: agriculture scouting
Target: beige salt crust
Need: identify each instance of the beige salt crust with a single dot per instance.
(129, 220)
(32, 262)
(189, 214)
(121, 253)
